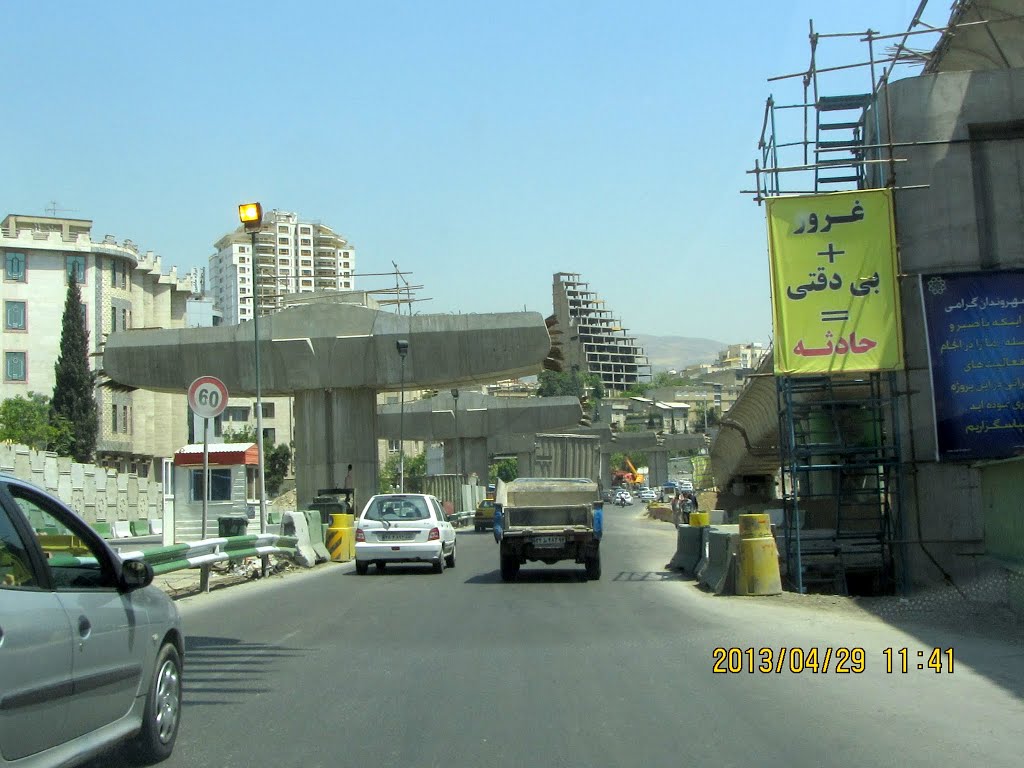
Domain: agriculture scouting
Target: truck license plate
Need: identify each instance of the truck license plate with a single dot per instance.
(549, 541)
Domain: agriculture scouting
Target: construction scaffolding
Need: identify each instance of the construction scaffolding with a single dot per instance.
(839, 451)
(841, 481)
(839, 147)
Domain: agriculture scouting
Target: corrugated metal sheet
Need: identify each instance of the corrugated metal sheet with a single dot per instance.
(748, 441)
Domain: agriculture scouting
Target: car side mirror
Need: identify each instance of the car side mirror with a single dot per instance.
(136, 574)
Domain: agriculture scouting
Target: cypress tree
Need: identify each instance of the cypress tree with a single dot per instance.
(73, 390)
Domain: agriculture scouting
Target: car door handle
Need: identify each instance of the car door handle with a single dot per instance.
(84, 627)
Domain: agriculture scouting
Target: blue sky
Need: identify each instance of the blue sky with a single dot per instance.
(482, 146)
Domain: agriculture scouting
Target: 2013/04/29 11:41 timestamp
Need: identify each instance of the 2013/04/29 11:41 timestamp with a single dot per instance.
(904, 660)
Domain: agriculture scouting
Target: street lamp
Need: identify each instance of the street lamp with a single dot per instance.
(402, 345)
(458, 440)
(251, 216)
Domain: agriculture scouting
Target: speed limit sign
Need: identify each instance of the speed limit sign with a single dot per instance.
(207, 397)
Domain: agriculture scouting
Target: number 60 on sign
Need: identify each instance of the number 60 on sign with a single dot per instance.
(207, 397)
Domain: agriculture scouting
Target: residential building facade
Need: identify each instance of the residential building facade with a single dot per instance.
(121, 288)
(292, 256)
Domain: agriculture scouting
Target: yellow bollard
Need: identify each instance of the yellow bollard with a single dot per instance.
(700, 519)
(350, 527)
(340, 538)
(758, 571)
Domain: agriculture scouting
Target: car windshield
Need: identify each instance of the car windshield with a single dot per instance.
(400, 508)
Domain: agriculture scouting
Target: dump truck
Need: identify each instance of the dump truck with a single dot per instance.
(548, 520)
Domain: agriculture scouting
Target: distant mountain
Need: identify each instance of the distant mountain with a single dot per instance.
(676, 352)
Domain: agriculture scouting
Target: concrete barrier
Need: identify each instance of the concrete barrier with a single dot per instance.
(719, 568)
(121, 529)
(294, 524)
(691, 544)
(317, 533)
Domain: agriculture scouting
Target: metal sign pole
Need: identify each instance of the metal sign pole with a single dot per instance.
(206, 476)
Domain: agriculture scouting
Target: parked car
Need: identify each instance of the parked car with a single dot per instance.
(90, 653)
(648, 495)
(624, 497)
(686, 485)
(404, 528)
(484, 516)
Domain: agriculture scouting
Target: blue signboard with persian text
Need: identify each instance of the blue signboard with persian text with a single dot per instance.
(975, 326)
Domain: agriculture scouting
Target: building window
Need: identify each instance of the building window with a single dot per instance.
(124, 319)
(14, 315)
(252, 483)
(113, 319)
(220, 484)
(124, 419)
(14, 267)
(74, 267)
(269, 436)
(14, 366)
(113, 418)
(113, 273)
(268, 410)
(394, 446)
(236, 413)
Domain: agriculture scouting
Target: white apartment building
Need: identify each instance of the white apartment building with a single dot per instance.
(292, 256)
(120, 288)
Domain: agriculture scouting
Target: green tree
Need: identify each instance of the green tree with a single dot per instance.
(713, 415)
(74, 381)
(28, 421)
(559, 384)
(244, 434)
(415, 467)
(667, 379)
(276, 465)
(505, 470)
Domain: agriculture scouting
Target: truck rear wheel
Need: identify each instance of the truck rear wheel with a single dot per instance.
(593, 567)
(509, 568)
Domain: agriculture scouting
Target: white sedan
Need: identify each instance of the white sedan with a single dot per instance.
(404, 528)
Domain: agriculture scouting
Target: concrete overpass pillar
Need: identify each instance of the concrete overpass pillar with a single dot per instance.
(476, 458)
(335, 428)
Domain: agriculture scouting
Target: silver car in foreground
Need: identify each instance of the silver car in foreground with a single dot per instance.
(90, 653)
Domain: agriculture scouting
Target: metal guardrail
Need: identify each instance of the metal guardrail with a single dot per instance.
(197, 554)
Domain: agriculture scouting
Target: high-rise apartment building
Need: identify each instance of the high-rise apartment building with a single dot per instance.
(121, 288)
(591, 339)
(292, 256)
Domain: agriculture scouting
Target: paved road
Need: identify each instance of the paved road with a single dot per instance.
(410, 668)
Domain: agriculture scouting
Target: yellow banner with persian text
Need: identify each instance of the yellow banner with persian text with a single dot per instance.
(835, 296)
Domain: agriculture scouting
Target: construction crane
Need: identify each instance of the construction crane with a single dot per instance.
(637, 477)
